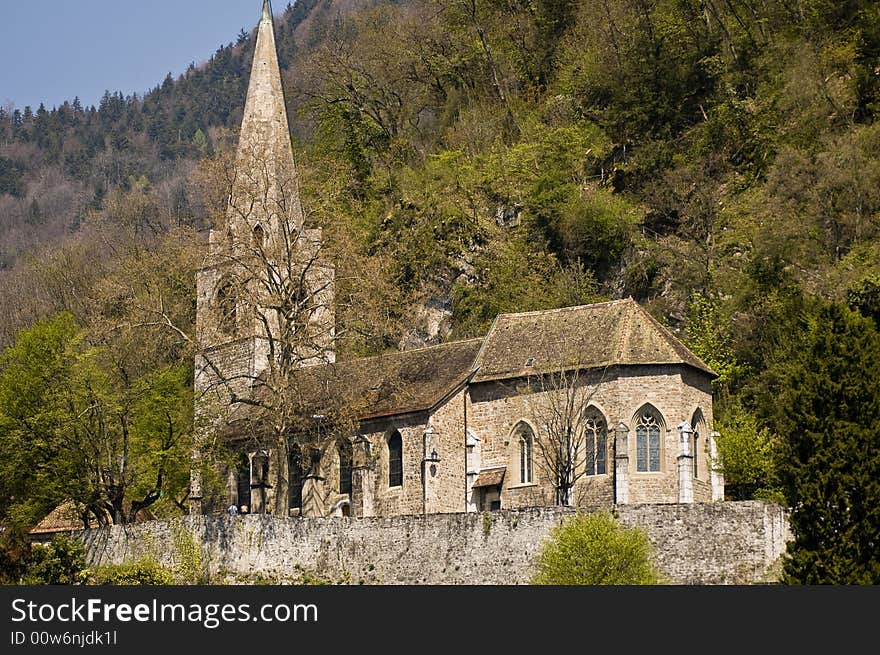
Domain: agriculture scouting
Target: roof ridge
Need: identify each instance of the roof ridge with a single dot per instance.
(440, 345)
(394, 353)
(563, 309)
(623, 333)
(479, 358)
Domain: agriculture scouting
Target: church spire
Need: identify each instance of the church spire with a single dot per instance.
(266, 168)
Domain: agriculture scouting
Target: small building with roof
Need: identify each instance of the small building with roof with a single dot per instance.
(67, 518)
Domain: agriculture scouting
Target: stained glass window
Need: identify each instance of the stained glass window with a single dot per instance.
(699, 427)
(295, 473)
(596, 441)
(344, 450)
(648, 442)
(526, 442)
(244, 481)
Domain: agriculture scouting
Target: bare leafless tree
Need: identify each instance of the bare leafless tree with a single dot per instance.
(571, 439)
(277, 291)
(297, 294)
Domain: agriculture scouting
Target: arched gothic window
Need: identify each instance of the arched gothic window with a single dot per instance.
(227, 308)
(343, 449)
(395, 460)
(295, 477)
(526, 439)
(648, 430)
(596, 438)
(259, 236)
(698, 423)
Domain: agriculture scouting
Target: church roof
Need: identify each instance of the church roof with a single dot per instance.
(616, 333)
(612, 333)
(411, 380)
(373, 387)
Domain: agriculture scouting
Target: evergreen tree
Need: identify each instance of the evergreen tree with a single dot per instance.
(10, 178)
(828, 417)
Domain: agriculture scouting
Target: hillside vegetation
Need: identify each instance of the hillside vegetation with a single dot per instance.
(719, 161)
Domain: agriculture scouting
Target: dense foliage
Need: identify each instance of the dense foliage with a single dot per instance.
(143, 572)
(60, 562)
(87, 424)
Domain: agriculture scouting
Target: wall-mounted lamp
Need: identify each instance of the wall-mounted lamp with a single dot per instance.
(434, 457)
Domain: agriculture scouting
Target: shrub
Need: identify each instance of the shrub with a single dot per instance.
(592, 549)
(143, 572)
(61, 562)
(189, 566)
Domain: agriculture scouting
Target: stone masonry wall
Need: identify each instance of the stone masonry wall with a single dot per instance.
(407, 498)
(719, 543)
(446, 481)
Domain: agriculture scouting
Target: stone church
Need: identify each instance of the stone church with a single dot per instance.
(590, 405)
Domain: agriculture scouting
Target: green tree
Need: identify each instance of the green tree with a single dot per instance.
(33, 370)
(200, 141)
(865, 296)
(10, 178)
(827, 413)
(90, 424)
(592, 549)
(709, 336)
(746, 454)
(127, 434)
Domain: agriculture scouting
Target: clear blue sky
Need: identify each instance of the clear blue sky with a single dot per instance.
(54, 50)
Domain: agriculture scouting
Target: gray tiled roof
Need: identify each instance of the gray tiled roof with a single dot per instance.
(619, 332)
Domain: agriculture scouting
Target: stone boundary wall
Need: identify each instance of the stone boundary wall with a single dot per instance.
(711, 543)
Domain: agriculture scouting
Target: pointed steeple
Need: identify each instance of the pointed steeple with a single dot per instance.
(266, 192)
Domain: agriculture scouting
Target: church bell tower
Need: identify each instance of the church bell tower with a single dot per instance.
(264, 270)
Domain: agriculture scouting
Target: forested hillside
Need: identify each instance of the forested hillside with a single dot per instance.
(719, 161)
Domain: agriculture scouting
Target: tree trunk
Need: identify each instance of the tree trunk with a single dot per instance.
(282, 477)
